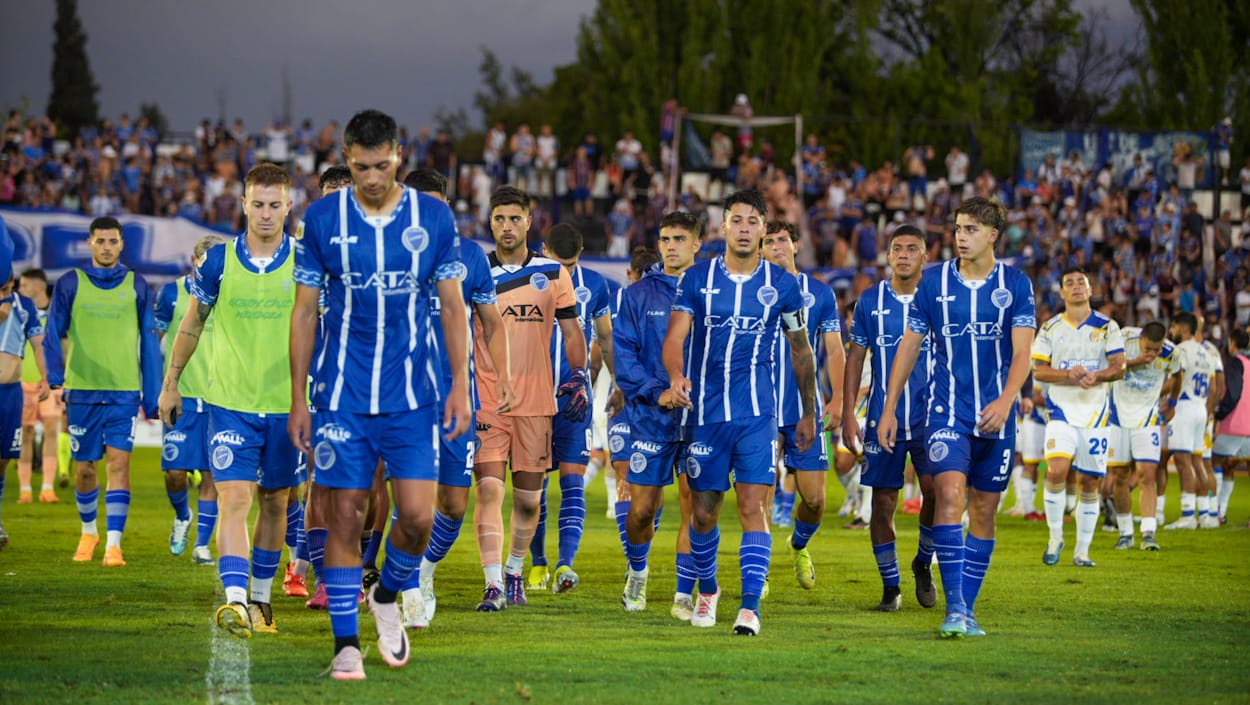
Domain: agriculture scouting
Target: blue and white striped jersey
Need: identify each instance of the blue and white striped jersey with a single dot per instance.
(379, 273)
(479, 288)
(969, 324)
(733, 338)
(593, 301)
(821, 310)
(880, 320)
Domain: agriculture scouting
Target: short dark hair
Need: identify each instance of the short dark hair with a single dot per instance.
(509, 196)
(644, 258)
(683, 221)
(1188, 320)
(564, 240)
(335, 176)
(775, 226)
(35, 273)
(985, 211)
(370, 129)
(267, 174)
(427, 180)
(749, 197)
(1155, 331)
(1239, 339)
(907, 231)
(1074, 269)
(105, 222)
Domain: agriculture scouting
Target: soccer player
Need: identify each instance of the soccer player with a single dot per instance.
(570, 441)
(245, 286)
(20, 327)
(1078, 353)
(535, 295)
(981, 316)
(1187, 429)
(1137, 434)
(647, 432)
(380, 250)
(1030, 445)
(102, 313)
(1232, 442)
(824, 327)
(185, 444)
(46, 409)
(880, 324)
(719, 353)
(455, 457)
(1209, 483)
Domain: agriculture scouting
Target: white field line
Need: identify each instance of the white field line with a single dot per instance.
(228, 680)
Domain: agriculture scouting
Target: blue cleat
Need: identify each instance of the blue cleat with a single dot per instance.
(1051, 556)
(955, 626)
(493, 599)
(514, 587)
(972, 628)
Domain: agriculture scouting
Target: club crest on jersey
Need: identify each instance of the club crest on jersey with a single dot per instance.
(169, 452)
(1001, 297)
(223, 457)
(938, 452)
(637, 462)
(616, 443)
(693, 469)
(808, 299)
(324, 455)
(415, 238)
(539, 281)
(766, 295)
(583, 294)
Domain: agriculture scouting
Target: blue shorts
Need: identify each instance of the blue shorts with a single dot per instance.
(619, 438)
(347, 447)
(455, 457)
(985, 461)
(571, 440)
(580, 194)
(886, 470)
(185, 445)
(748, 448)
(92, 427)
(252, 448)
(654, 463)
(815, 458)
(10, 420)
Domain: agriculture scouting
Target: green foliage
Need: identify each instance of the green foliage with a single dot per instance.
(72, 103)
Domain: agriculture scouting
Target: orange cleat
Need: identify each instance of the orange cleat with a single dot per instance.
(113, 557)
(86, 547)
(48, 497)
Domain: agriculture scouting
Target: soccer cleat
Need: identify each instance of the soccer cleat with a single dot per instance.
(804, 571)
(972, 628)
(234, 618)
(891, 599)
(683, 608)
(955, 626)
(426, 585)
(1148, 543)
(848, 506)
(348, 665)
(764, 590)
(1035, 516)
(369, 578)
(912, 506)
(1051, 556)
(1125, 543)
(261, 615)
(413, 610)
(784, 521)
(48, 497)
(86, 547)
(200, 555)
(926, 593)
(705, 610)
(856, 524)
(319, 599)
(539, 578)
(634, 597)
(565, 580)
(25, 497)
(62, 478)
(1209, 522)
(113, 557)
(747, 623)
(178, 536)
(1014, 512)
(294, 584)
(1159, 518)
(1083, 562)
(493, 599)
(194, 478)
(514, 588)
(392, 638)
(1189, 522)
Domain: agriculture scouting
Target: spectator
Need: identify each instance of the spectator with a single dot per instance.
(522, 148)
(443, 154)
(545, 151)
(620, 227)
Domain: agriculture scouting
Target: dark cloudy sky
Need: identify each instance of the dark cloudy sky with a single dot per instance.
(407, 58)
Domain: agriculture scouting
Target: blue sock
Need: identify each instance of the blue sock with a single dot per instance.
(116, 507)
(265, 563)
(659, 512)
(622, 513)
(178, 500)
(317, 551)
(538, 544)
(205, 521)
(442, 536)
(88, 505)
(294, 528)
(685, 573)
(370, 555)
(976, 563)
(233, 572)
(396, 570)
(342, 592)
(753, 557)
(948, 542)
(924, 550)
(703, 550)
(887, 563)
(787, 502)
(803, 533)
(637, 554)
(572, 517)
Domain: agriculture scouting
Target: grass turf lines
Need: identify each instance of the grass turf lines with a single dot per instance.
(1140, 628)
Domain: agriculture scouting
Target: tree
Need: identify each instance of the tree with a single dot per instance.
(73, 101)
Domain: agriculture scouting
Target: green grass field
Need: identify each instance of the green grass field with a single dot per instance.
(1140, 628)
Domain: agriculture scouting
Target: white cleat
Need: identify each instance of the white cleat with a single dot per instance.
(1189, 522)
(1209, 522)
(634, 597)
(413, 609)
(705, 610)
(747, 623)
(683, 608)
(348, 665)
(426, 585)
(392, 638)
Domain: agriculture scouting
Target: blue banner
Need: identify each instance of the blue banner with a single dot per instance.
(1118, 148)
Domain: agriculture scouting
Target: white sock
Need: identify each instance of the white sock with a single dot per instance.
(114, 539)
(909, 492)
(1226, 493)
(1019, 481)
(1125, 522)
(236, 594)
(1086, 522)
(262, 589)
(1161, 503)
(1030, 495)
(494, 574)
(45, 486)
(88, 529)
(427, 568)
(1070, 503)
(514, 565)
(1204, 505)
(609, 479)
(592, 471)
(1053, 501)
(1149, 524)
(1188, 502)
(300, 567)
(865, 503)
